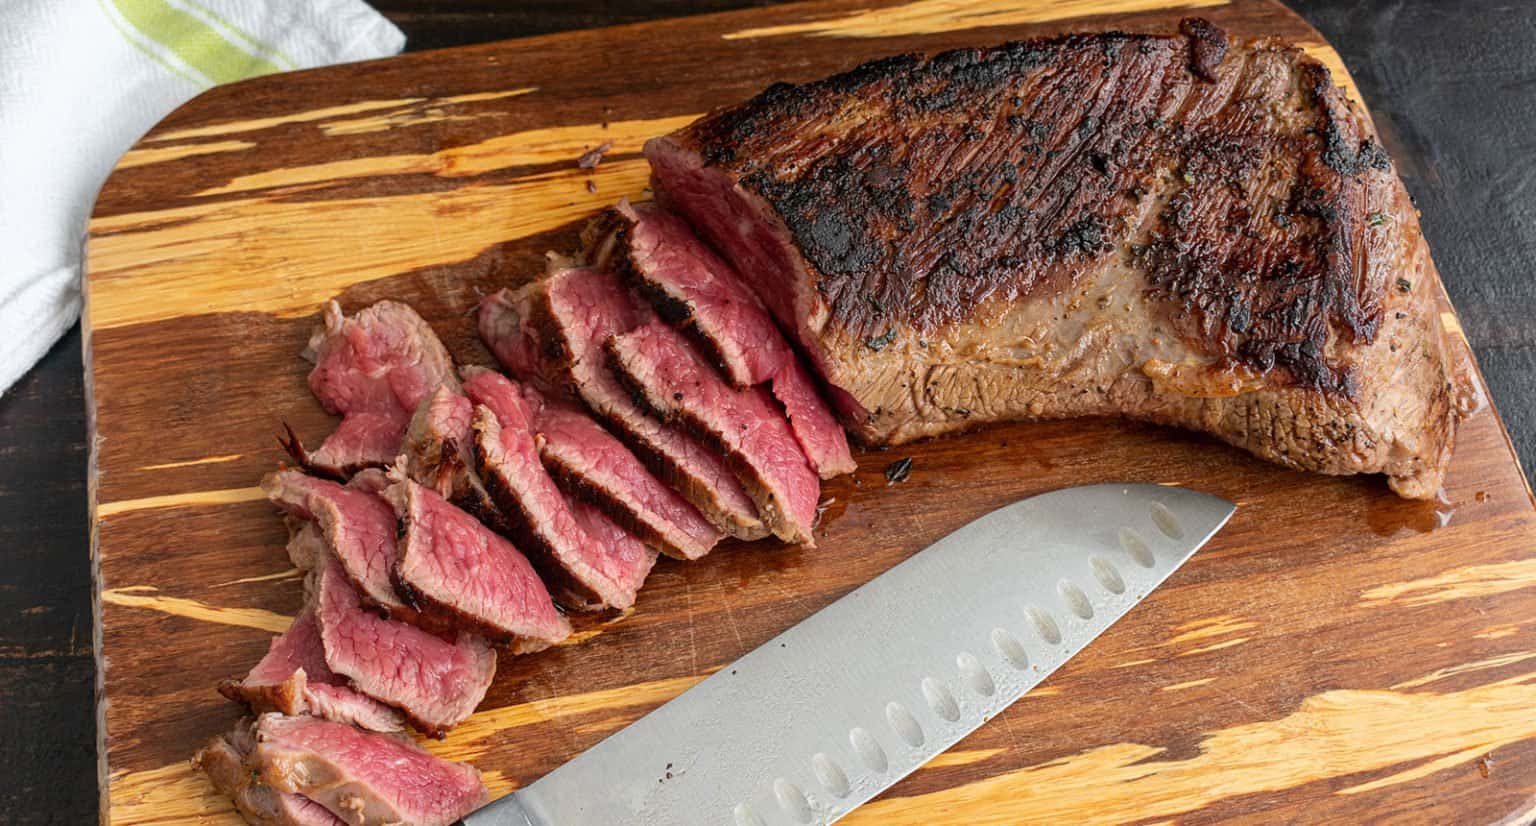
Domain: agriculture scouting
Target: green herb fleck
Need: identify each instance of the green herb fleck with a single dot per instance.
(1376, 219)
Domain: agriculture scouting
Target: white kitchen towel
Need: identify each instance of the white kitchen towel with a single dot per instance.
(81, 80)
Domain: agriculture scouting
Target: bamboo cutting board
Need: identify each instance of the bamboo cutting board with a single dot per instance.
(1335, 655)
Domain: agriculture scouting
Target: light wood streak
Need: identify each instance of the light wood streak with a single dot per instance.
(1214, 647)
(964, 757)
(1209, 627)
(327, 112)
(1466, 668)
(197, 498)
(280, 576)
(208, 460)
(1190, 684)
(183, 270)
(930, 16)
(534, 147)
(1458, 583)
(1359, 731)
(432, 112)
(257, 124)
(146, 597)
(152, 155)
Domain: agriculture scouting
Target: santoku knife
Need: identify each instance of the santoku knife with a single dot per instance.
(835, 710)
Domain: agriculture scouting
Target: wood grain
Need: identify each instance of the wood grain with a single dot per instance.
(1333, 655)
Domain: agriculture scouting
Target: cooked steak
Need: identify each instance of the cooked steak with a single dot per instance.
(453, 565)
(439, 453)
(358, 528)
(373, 369)
(224, 761)
(361, 778)
(436, 683)
(672, 378)
(590, 463)
(816, 430)
(692, 288)
(1177, 229)
(294, 679)
(555, 329)
(584, 574)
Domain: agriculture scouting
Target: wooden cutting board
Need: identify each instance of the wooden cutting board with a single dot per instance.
(1335, 655)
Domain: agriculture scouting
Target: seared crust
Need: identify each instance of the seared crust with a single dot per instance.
(1227, 198)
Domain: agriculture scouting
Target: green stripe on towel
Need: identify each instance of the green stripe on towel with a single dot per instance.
(196, 43)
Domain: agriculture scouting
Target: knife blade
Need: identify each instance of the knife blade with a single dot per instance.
(839, 707)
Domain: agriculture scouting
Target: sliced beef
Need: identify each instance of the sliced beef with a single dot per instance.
(555, 329)
(453, 565)
(695, 290)
(590, 463)
(439, 453)
(692, 287)
(584, 574)
(816, 430)
(435, 682)
(358, 528)
(672, 378)
(294, 679)
(609, 534)
(361, 778)
(224, 761)
(372, 369)
(1173, 228)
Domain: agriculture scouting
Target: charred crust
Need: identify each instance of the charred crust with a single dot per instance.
(1207, 46)
(565, 587)
(1252, 251)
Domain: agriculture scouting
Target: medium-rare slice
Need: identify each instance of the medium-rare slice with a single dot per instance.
(588, 461)
(584, 574)
(372, 369)
(816, 430)
(695, 290)
(692, 287)
(1179, 229)
(665, 370)
(439, 453)
(358, 527)
(294, 679)
(435, 682)
(555, 329)
(224, 761)
(362, 778)
(453, 565)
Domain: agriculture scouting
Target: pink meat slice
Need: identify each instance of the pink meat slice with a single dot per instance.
(584, 573)
(457, 567)
(697, 291)
(593, 464)
(671, 376)
(555, 328)
(372, 369)
(361, 777)
(823, 440)
(294, 679)
(436, 683)
(359, 528)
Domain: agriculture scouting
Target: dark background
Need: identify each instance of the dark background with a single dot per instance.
(1453, 90)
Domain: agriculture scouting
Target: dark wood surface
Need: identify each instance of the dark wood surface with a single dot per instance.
(1452, 92)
